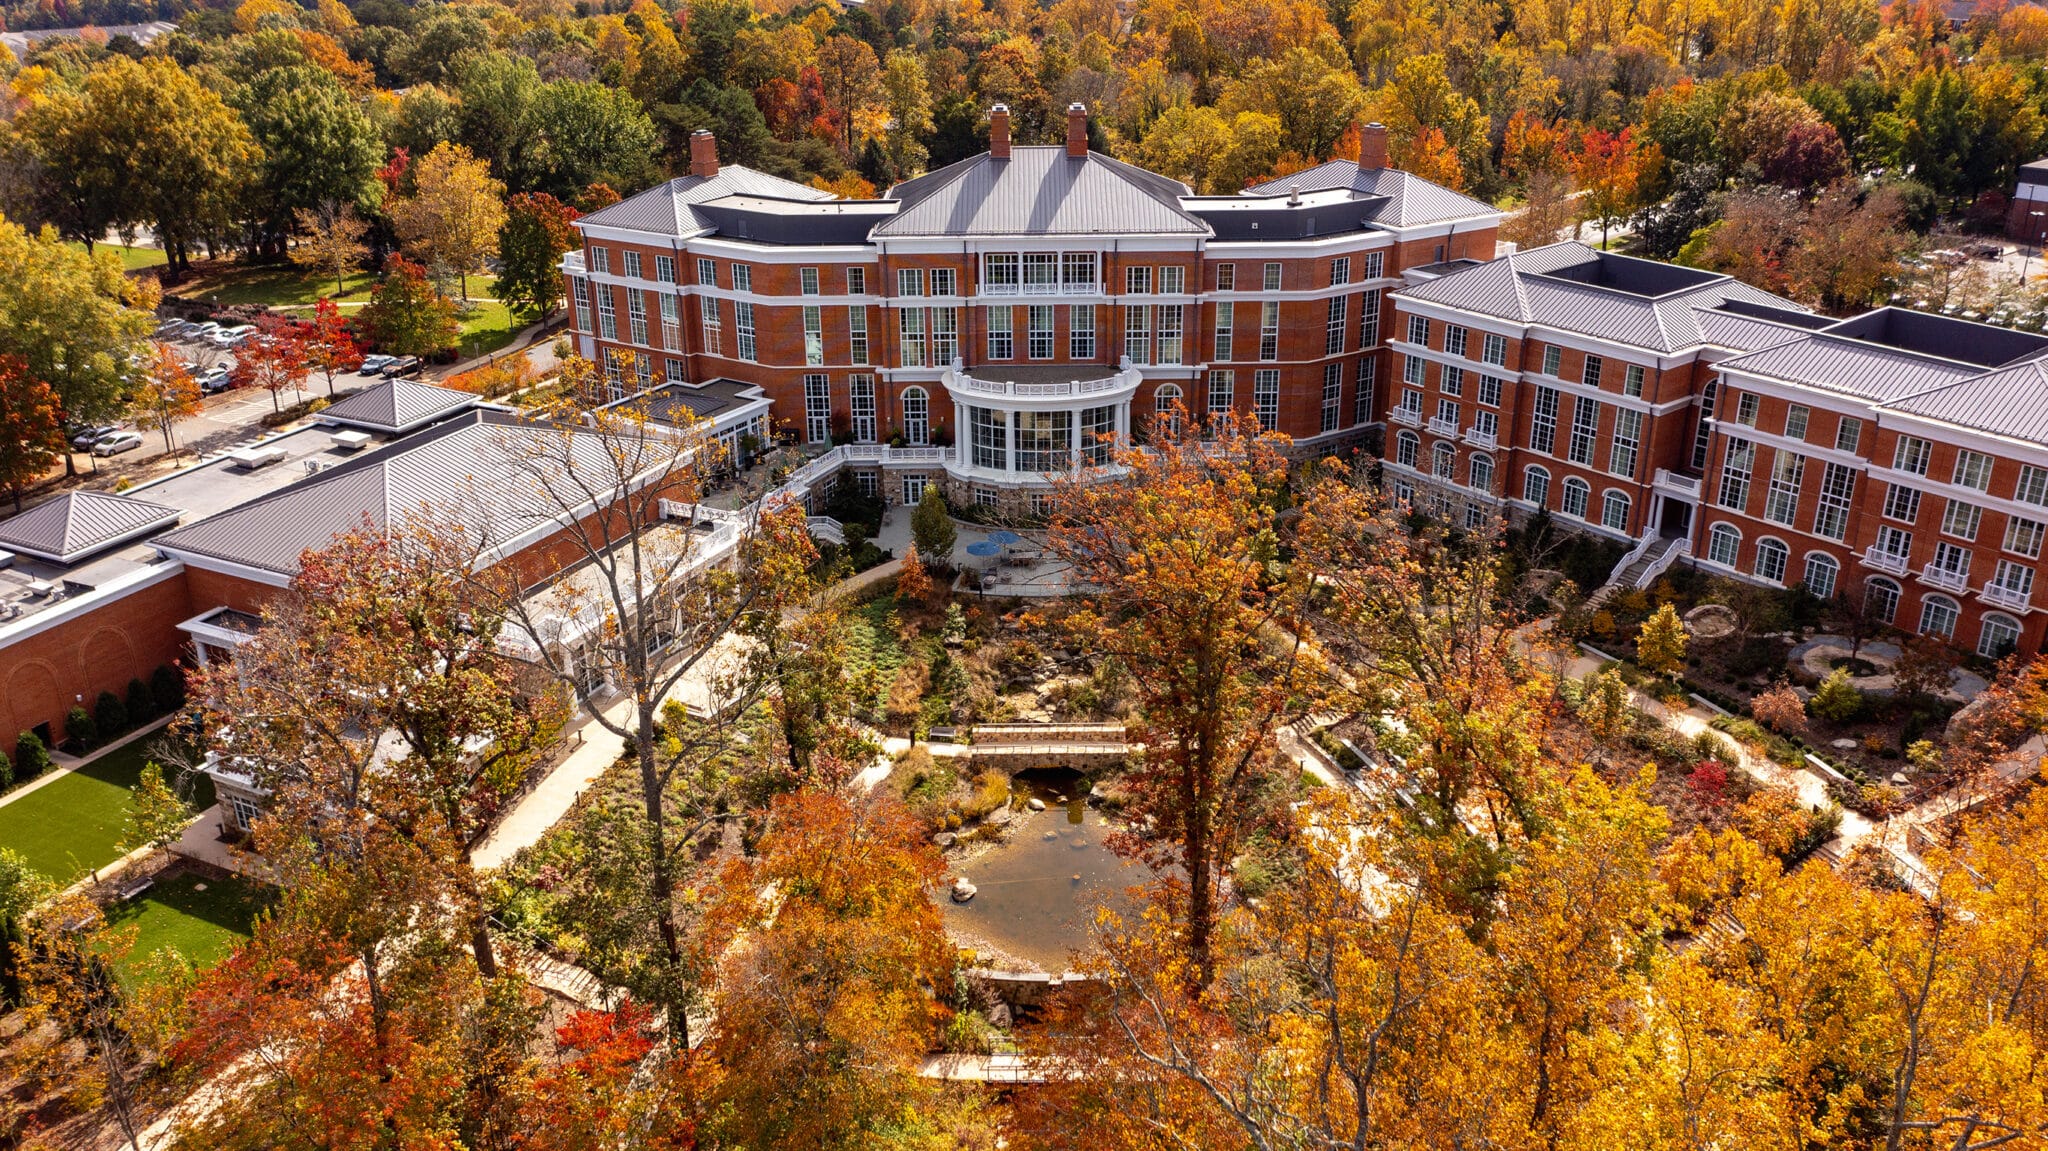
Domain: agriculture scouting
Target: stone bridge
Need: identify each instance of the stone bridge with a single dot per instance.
(1022, 746)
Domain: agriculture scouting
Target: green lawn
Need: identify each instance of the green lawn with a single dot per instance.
(131, 258)
(272, 285)
(488, 326)
(202, 918)
(75, 824)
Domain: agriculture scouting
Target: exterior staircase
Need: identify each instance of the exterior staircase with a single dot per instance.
(1641, 565)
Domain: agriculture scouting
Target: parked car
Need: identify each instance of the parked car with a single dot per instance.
(117, 443)
(92, 435)
(401, 366)
(374, 364)
(168, 328)
(229, 337)
(203, 330)
(215, 379)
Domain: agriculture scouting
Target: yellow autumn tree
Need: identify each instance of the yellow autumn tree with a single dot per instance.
(451, 220)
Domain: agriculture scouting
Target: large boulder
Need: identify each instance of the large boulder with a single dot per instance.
(963, 890)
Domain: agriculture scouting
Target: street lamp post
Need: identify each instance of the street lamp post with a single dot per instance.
(2027, 252)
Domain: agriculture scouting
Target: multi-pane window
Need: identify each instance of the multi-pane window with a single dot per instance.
(1222, 392)
(1746, 406)
(1961, 520)
(1536, 486)
(1173, 280)
(1447, 414)
(988, 435)
(1821, 570)
(857, 333)
(1081, 332)
(1418, 331)
(1269, 330)
(1796, 418)
(1781, 498)
(861, 401)
(917, 416)
(1553, 359)
(942, 282)
(633, 265)
(1938, 616)
(1407, 446)
(945, 327)
(2023, 536)
(1340, 271)
(910, 281)
(1272, 277)
(1703, 432)
(1451, 381)
(1226, 277)
(1454, 340)
(817, 409)
(1614, 510)
(1494, 349)
(1170, 317)
(707, 273)
(636, 317)
(1041, 274)
(742, 278)
(1577, 494)
(1333, 327)
(1848, 434)
(1480, 471)
(1952, 559)
(1002, 343)
(1138, 333)
(607, 316)
(856, 281)
(1486, 424)
(1591, 376)
(1166, 411)
(1628, 437)
(2032, 487)
(1912, 455)
(814, 335)
(1411, 402)
(1894, 542)
(1724, 545)
(714, 343)
(671, 323)
(1489, 391)
(1973, 470)
(807, 281)
(1045, 441)
(1837, 490)
(665, 269)
(1632, 380)
(601, 261)
(1225, 314)
(1077, 271)
(673, 368)
(1039, 336)
(1137, 281)
(2013, 577)
(580, 287)
(999, 273)
(1369, 319)
(1736, 467)
(1902, 504)
(1362, 398)
(1333, 393)
(1585, 428)
(1770, 560)
(1266, 397)
(1443, 462)
(643, 368)
(1998, 637)
(1881, 600)
(1098, 434)
(1543, 421)
(743, 327)
(910, 336)
(1411, 369)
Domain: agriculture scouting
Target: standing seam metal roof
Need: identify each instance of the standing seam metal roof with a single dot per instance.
(1410, 199)
(2009, 401)
(1039, 190)
(396, 405)
(668, 208)
(78, 523)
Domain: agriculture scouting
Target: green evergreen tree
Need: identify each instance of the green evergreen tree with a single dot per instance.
(933, 529)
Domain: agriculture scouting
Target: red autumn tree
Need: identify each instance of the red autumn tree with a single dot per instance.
(31, 427)
(1614, 169)
(330, 346)
(167, 394)
(274, 359)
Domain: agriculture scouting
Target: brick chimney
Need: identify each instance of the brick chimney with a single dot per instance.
(1372, 146)
(703, 154)
(1077, 130)
(999, 131)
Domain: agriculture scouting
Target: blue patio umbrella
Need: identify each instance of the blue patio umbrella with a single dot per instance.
(985, 548)
(1004, 538)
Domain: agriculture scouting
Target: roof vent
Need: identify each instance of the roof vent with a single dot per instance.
(1294, 195)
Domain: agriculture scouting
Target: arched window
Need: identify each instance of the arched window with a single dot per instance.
(1938, 616)
(1724, 543)
(1577, 494)
(1480, 471)
(917, 416)
(1881, 599)
(1821, 572)
(1536, 486)
(1771, 557)
(1406, 446)
(1998, 636)
(1166, 408)
(1444, 461)
(1614, 510)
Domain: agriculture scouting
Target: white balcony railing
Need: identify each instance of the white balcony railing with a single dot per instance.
(1945, 578)
(1884, 561)
(1997, 594)
(1408, 416)
(1443, 427)
(1666, 478)
(1479, 439)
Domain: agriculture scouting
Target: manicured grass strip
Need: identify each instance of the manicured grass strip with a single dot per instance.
(203, 925)
(131, 258)
(75, 824)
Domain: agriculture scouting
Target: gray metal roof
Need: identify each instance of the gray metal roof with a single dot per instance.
(78, 523)
(1851, 367)
(398, 406)
(1565, 286)
(668, 208)
(1040, 191)
(1409, 199)
(1741, 333)
(470, 466)
(2010, 401)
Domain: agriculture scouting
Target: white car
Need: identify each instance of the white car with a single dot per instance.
(215, 379)
(229, 337)
(115, 444)
(200, 332)
(373, 365)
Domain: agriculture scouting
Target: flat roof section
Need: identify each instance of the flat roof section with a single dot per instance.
(1041, 373)
(1966, 342)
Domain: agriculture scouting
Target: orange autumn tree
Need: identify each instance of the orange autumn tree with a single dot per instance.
(31, 427)
(1174, 557)
(166, 394)
(1616, 170)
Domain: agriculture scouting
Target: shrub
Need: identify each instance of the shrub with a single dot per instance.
(141, 706)
(167, 689)
(1836, 700)
(78, 726)
(1780, 709)
(110, 715)
(1708, 782)
(933, 529)
(1708, 746)
(1660, 644)
(31, 757)
(991, 790)
(6, 773)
